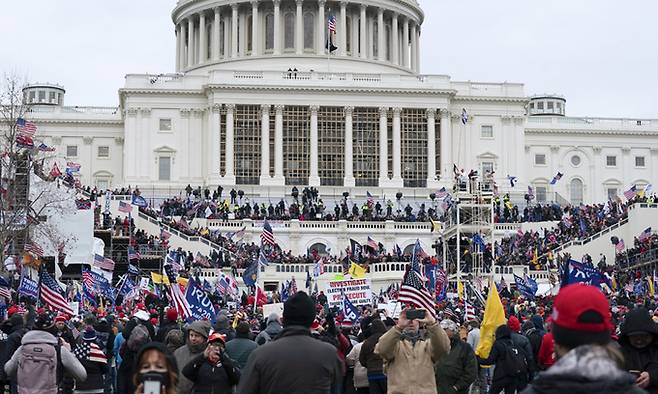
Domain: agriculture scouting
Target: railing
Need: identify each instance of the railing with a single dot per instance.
(74, 110)
(600, 122)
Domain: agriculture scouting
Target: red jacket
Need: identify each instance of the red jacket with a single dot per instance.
(546, 357)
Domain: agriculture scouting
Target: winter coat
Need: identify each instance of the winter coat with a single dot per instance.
(645, 359)
(239, 350)
(184, 355)
(523, 344)
(211, 379)
(164, 330)
(546, 356)
(535, 338)
(497, 355)
(360, 372)
(69, 361)
(585, 369)
(293, 362)
(458, 369)
(408, 366)
(95, 376)
(368, 358)
(15, 330)
(271, 331)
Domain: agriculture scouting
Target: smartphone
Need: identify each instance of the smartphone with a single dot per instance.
(415, 314)
(635, 373)
(152, 387)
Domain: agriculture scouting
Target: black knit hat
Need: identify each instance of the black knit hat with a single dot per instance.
(299, 310)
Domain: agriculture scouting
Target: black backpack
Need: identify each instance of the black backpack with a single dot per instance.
(514, 362)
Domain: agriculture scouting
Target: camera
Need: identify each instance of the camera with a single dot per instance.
(415, 314)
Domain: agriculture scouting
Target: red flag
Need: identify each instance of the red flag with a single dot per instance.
(261, 297)
(55, 172)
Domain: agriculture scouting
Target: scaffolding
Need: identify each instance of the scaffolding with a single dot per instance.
(15, 178)
(469, 226)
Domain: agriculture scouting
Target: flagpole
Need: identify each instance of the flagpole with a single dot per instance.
(256, 285)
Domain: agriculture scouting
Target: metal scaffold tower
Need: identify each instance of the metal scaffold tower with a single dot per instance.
(469, 228)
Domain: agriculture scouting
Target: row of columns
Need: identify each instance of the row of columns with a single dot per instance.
(278, 177)
(234, 46)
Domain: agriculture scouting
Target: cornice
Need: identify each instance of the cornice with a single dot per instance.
(521, 100)
(591, 132)
(406, 91)
(82, 122)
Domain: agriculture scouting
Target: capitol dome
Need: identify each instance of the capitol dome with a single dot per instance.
(381, 36)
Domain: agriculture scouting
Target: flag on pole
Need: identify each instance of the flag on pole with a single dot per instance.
(55, 172)
(494, 316)
(26, 127)
(464, 116)
(52, 295)
(631, 193)
(412, 289)
(645, 235)
(370, 198)
(133, 255)
(331, 39)
(350, 312)
(372, 244)
(318, 269)
(556, 178)
(177, 297)
(469, 311)
(139, 201)
(356, 271)
(267, 236)
(125, 208)
(512, 180)
(45, 148)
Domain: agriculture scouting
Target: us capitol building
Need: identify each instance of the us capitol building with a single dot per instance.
(256, 101)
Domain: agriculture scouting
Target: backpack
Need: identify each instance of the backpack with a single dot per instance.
(39, 368)
(515, 362)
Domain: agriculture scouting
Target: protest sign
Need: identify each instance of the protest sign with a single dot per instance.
(358, 291)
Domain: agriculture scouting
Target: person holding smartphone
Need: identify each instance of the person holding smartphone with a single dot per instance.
(410, 350)
(156, 370)
(213, 371)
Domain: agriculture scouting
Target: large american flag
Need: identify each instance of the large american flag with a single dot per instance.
(52, 294)
(413, 291)
(332, 23)
(630, 193)
(26, 127)
(176, 294)
(33, 248)
(90, 351)
(267, 236)
(125, 208)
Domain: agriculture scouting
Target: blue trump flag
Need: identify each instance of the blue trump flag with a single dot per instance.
(250, 274)
(350, 312)
(525, 287)
(582, 273)
(200, 305)
(139, 201)
(28, 287)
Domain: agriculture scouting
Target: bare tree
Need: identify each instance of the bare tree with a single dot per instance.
(25, 200)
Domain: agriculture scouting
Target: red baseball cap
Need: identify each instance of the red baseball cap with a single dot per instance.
(581, 315)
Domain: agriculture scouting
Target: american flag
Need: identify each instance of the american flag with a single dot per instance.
(469, 311)
(372, 244)
(412, 290)
(620, 246)
(645, 235)
(26, 127)
(371, 199)
(5, 290)
(630, 193)
(177, 297)
(318, 269)
(164, 235)
(133, 254)
(103, 263)
(442, 193)
(90, 351)
(52, 294)
(267, 236)
(125, 208)
(332, 23)
(45, 148)
(33, 248)
(531, 193)
(292, 287)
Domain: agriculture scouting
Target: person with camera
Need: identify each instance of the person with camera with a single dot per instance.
(212, 371)
(409, 351)
(156, 371)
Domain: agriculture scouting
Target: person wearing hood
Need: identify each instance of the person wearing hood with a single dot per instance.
(197, 337)
(155, 362)
(93, 359)
(504, 376)
(586, 360)
(294, 361)
(105, 339)
(169, 323)
(373, 328)
(223, 326)
(213, 371)
(639, 345)
(43, 334)
(522, 343)
(458, 369)
(240, 347)
(271, 331)
(14, 327)
(534, 336)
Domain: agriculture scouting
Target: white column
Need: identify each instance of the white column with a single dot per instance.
(362, 29)
(395, 40)
(380, 34)
(431, 148)
(190, 42)
(397, 146)
(229, 165)
(383, 145)
(322, 28)
(314, 178)
(214, 153)
(446, 147)
(242, 34)
(183, 45)
(349, 150)
(265, 143)
(234, 31)
(413, 33)
(278, 145)
(226, 53)
(255, 22)
(130, 145)
(342, 43)
(203, 36)
(178, 47)
(405, 43)
(215, 35)
(299, 28)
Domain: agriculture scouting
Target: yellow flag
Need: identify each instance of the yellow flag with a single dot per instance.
(356, 271)
(158, 278)
(509, 205)
(651, 289)
(436, 226)
(460, 289)
(494, 316)
(535, 259)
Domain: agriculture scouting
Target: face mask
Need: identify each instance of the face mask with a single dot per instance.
(153, 376)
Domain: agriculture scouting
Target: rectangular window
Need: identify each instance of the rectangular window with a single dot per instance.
(540, 159)
(639, 161)
(611, 161)
(540, 105)
(414, 147)
(165, 124)
(365, 139)
(487, 167)
(53, 98)
(540, 191)
(102, 184)
(247, 144)
(612, 193)
(71, 151)
(103, 152)
(42, 96)
(486, 131)
(331, 142)
(164, 168)
(549, 105)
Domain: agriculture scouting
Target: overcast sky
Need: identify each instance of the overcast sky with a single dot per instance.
(602, 55)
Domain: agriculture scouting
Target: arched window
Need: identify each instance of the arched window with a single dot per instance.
(250, 30)
(320, 248)
(269, 32)
(576, 191)
(348, 32)
(309, 30)
(289, 31)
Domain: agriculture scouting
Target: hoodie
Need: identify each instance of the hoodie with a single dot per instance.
(223, 326)
(644, 359)
(272, 330)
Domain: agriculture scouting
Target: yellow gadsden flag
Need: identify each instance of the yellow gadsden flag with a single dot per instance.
(494, 316)
(460, 289)
(158, 278)
(356, 271)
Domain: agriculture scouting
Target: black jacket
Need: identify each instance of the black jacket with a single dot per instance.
(292, 363)
(645, 359)
(95, 375)
(497, 356)
(212, 379)
(367, 357)
(15, 328)
(458, 368)
(164, 330)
